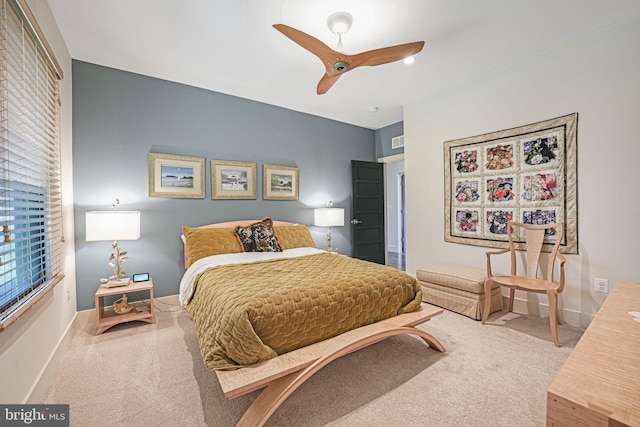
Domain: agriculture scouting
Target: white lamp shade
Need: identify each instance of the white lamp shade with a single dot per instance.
(109, 225)
(329, 217)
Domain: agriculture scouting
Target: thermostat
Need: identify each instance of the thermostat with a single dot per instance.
(140, 277)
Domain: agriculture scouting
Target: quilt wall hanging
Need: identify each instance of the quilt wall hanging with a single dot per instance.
(526, 174)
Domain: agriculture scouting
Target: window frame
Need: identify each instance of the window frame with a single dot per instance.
(31, 201)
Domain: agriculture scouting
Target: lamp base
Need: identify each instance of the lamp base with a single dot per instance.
(116, 283)
(329, 240)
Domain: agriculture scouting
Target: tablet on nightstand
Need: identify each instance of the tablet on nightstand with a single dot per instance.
(140, 277)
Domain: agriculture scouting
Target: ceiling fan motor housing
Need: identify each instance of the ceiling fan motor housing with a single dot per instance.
(340, 66)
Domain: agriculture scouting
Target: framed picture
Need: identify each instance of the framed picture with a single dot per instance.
(233, 180)
(176, 176)
(280, 183)
(525, 174)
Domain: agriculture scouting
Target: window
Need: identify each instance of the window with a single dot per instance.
(30, 200)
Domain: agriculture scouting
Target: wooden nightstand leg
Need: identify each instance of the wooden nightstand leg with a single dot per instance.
(99, 312)
(151, 309)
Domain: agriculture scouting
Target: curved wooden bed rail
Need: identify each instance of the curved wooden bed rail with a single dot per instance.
(279, 390)
(304, 363)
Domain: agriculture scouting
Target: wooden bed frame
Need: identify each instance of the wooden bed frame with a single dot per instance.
(282, 375)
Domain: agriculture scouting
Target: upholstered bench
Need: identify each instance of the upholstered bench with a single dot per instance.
(457, 288)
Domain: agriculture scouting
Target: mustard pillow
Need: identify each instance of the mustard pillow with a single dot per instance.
(204, 242)
(294, 236)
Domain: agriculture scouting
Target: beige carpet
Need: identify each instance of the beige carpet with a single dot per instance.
(152, 375)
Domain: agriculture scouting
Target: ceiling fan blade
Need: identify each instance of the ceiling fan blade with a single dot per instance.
(337, 63)
(384, 55)
(313, 45)
(326, 82)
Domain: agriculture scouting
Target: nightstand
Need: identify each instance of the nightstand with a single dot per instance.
(106, 317)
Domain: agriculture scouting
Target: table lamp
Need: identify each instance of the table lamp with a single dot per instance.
(113, 226)
(329, 217)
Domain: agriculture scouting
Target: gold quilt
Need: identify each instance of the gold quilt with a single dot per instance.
(248, 313)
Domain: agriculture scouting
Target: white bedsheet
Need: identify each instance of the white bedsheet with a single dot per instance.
(188, 280)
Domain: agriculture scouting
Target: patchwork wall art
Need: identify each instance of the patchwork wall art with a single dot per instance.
(526, 174)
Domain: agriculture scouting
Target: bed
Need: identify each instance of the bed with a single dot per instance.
(270, 309)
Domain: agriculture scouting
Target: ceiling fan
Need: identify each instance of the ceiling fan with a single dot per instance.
(336, 61)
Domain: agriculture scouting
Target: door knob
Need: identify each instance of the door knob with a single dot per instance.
(356, 221)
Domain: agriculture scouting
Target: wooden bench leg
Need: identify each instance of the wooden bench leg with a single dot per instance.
(280, 389)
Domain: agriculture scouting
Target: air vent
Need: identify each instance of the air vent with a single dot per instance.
(397, 142)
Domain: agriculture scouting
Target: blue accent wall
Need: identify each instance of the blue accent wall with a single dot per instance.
(383, 140)
(120, 117)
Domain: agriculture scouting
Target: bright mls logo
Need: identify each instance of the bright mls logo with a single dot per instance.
(37, 415)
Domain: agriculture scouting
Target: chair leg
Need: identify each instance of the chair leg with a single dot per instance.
(558, 311)
(512, 294)
(558, 316)
(487, 299)
(553, 321)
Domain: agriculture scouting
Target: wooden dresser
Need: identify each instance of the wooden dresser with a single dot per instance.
(599, 384)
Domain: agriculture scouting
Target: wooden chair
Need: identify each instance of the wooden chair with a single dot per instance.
(534, 240)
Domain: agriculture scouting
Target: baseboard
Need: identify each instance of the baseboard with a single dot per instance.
(172, 300)
(85, 316)
(167, 303)
(570, 317)
(576, 318)
(39, 389)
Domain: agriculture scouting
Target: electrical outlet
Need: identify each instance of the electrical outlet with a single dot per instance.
(601, 285)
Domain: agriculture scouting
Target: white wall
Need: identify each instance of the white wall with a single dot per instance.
(598, 77)
(28, 345)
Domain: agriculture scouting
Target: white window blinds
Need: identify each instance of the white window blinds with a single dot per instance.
(30, 201)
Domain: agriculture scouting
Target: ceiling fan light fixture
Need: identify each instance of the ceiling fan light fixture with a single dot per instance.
(409, 60)
(339, 22)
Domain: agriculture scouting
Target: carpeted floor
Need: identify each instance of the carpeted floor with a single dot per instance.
(153, 375)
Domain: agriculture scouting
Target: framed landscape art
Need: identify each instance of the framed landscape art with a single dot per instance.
(233, 180)
(280, 183)
(175, 176)
(525, 174)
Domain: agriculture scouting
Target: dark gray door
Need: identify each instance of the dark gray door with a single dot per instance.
(367, 179)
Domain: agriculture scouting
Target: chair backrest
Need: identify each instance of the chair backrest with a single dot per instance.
(534, 241)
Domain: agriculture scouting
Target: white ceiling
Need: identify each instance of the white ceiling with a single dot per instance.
(231, 47)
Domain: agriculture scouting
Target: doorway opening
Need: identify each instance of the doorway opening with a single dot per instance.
(395, 181)
(401, 213)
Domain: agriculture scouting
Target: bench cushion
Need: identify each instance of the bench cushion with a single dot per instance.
(467, 279)
(457, 288)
